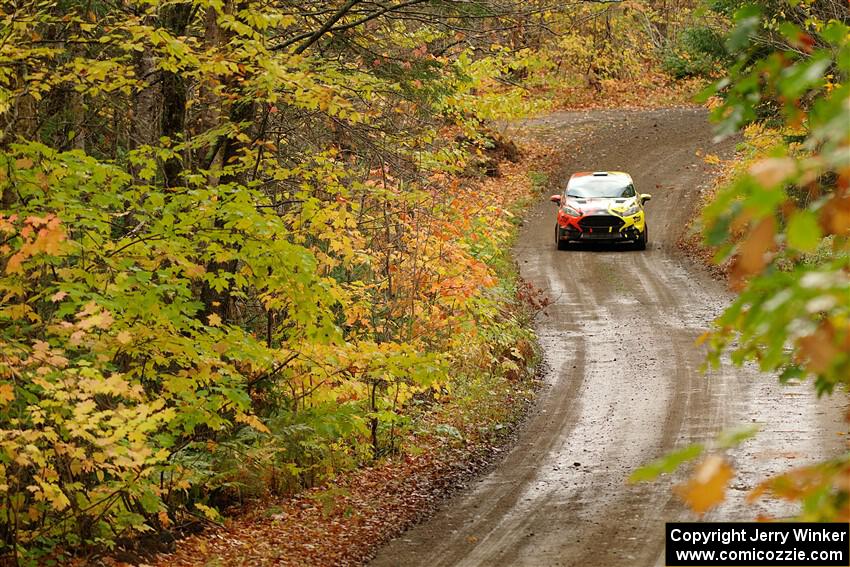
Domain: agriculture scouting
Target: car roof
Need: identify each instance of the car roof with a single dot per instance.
(584, 178)
(601, 174)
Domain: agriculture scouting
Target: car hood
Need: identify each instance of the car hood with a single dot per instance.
(600, 205)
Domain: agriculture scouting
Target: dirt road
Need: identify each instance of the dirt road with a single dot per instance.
(623, 384)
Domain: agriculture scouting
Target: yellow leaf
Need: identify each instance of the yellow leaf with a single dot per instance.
(124, 337)
(194, 270)
(59, 500)
(102, 319)
(252, 421)
(7, 393)
(214, 319)
(58, 296)
(707, 487)
(209, 512)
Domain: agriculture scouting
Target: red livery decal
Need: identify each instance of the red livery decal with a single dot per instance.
(566, 221)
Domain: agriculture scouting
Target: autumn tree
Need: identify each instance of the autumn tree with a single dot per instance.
(231, 251)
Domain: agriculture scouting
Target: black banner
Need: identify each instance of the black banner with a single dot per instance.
(752, 544)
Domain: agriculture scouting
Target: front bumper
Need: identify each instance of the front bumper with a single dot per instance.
(615, 236)
(607, 227)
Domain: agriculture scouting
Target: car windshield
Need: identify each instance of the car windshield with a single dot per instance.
(603, 188)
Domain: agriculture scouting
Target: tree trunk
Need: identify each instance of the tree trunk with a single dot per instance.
(144, 130)
(175, 19)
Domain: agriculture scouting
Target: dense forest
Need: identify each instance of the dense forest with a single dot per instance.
(242, 246)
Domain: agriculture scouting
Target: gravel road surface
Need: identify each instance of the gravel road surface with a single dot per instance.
(623, 384)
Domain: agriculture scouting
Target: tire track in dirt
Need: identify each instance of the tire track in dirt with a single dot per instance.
(623, 385)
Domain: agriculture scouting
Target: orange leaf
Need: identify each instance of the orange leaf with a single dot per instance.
(819, 348)
(752, 253)
(13, 266)
(772, 171)
(707, 487)
(835, 215)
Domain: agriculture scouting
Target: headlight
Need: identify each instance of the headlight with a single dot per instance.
(633, 210)
(569, 211)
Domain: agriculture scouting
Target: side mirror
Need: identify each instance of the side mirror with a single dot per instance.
(645, 197)
(555, 199)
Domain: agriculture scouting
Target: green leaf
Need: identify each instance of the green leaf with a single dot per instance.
(803, 231)
(666, 464)
(835, 32)
(734, 437)
(748, 19)
(150, 502)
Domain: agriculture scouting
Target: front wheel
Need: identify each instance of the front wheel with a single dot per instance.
(640, 243)
(560, 244)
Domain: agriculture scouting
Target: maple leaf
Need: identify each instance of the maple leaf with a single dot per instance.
(752, 253)
(13, 266)
(194, 270)
(214, 319)
(58, 296)
(252, 421)
(49, 238)
(101, 319)
(819, 348)
(7, 393)
(772, 171)
(835, 215)
(707, 487)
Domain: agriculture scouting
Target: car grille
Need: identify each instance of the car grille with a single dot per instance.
(601, 221)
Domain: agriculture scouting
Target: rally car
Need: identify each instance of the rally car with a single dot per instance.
(601, 206)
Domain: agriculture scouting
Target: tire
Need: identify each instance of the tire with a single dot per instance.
(640, 243)
(560, 244)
